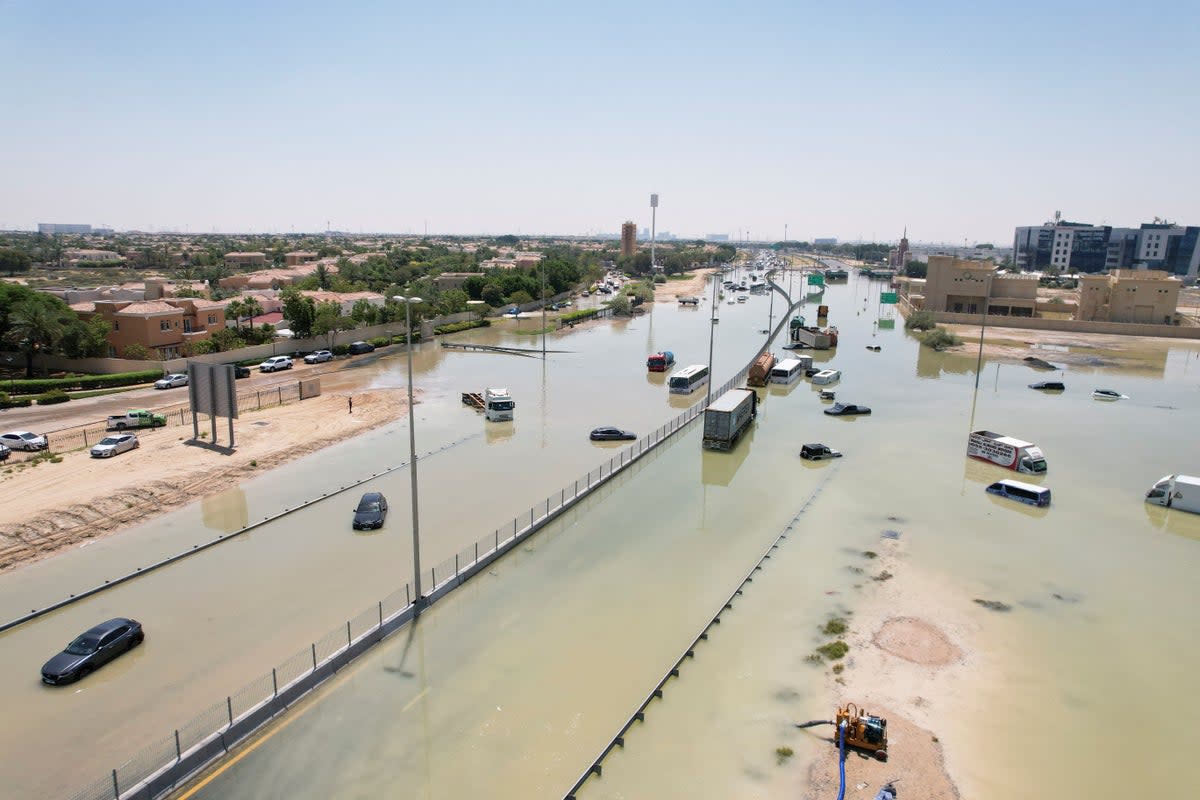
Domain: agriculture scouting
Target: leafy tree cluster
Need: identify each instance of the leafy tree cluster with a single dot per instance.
(34, 322)
(916, 269)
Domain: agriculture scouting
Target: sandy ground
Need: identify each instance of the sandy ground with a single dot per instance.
(89, 497)
(1066, 348)
(910, 655)
(694, 286)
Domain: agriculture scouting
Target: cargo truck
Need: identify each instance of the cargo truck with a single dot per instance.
(1006, 452)
(728, 417)
(498, 404)
(660, 362)
(814, 337)
(1176, 491)
(135, 418)
(760, 370)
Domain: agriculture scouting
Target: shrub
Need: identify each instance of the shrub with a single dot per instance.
(920, 321)
(835, 627)
(381, 341)
(13, 402)
(660, 277)
(455, 327)
(834, 650)
(52, 397)
(340, 349)
(940, 339)
(138, 352)
(40, 385)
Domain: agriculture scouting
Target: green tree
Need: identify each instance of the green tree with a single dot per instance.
(226, 339)
(364, 313)
(234, 310)
(251, 308)
(14, 261)
(329, 320)
(37, 327)
(619, 304)
(86, 339)
(520, 297)
(453, 301)
(916, 269)
(299, 311)
(136, 351)
(492, 295)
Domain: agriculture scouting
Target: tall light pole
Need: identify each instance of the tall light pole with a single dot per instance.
(653, 231)
(712, 325)
(543, 263)
(412, 449)
(987, 293)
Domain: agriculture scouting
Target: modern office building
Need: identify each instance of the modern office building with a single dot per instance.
(628, 239)
(1082, 247)
(54, 228)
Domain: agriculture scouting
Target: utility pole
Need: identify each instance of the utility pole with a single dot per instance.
(653, 231)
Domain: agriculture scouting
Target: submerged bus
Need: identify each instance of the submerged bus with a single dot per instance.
(688, 379)
(1021, 492)
(787, 371)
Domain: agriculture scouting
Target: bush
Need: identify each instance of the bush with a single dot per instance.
(940, 339)
(138, 352)
(40, 385)
(340, 349)
(660, 277)
(920, 321)
(381, 341)
(13, 402)
(52, 397)
(455, 327)
(834, 650)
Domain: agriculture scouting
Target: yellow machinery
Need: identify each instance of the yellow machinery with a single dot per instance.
(863, 731)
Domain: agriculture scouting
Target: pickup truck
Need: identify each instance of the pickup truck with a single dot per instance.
(135, 418)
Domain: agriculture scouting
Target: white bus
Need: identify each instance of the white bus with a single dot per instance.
(786, 371)
(688, 379)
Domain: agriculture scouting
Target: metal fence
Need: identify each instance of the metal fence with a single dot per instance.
(164, 764)
(82, 436)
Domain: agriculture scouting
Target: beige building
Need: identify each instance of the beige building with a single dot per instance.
(345, 300)
(959, 286)
(275, 278)
(297, 257)
(1147, 296)
(454, 280)
(74, 256)
(245, 259)
(162, 326)
(628, 239)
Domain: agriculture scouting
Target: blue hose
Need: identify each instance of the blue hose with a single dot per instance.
(841, 761)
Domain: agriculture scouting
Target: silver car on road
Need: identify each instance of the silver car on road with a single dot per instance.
(109, 446)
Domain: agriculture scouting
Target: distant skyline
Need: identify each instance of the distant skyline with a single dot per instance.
(852, 120)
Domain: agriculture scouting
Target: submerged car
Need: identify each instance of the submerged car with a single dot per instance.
(611, 434)
(357, 348)
(371, 512)
(93, 649)
(818, 452)
(318, 357)
(1049, 386)
(1108, 394)
(109, 446)
(846, 410)
(171, 381)
(24, 440)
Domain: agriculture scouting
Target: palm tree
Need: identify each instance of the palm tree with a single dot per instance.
(237, 310)
(251, 308)
(37, 328)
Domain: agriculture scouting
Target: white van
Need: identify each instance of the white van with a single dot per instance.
(826, 376)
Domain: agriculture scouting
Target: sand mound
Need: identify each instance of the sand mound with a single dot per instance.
(917, 641)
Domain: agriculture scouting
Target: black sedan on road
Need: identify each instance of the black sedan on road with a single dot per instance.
(846, 410)
(371, 512)
(93, 649)
(610, 434)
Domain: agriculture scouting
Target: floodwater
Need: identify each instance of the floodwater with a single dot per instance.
(513, 684)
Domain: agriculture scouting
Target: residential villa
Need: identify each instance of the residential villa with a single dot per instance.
(164, 326)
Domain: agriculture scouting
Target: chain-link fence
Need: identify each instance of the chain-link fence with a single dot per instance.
(164, 764)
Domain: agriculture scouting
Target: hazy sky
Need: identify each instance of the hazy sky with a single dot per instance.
(848, 119)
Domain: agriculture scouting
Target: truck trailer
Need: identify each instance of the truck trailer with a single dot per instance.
(1176, 491)
(1006, 451)
(728, 417)
(760, 370)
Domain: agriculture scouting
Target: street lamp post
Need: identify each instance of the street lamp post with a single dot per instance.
(412, 450)
(712, 324)
(987, 294)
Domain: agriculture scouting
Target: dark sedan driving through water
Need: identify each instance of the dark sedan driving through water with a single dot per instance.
(93, 649)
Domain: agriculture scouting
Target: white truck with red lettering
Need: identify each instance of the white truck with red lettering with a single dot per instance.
(1007, 452)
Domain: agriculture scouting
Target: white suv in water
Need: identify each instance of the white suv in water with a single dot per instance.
(275, 363)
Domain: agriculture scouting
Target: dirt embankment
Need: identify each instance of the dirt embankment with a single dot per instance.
(49, 506)
(908, 660)
(693, 286)
(1066, 349)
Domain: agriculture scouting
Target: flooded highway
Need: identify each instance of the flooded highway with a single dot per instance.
(512, 684)
(510, 687)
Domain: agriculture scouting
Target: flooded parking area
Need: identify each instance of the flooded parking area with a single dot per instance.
(510, 686)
